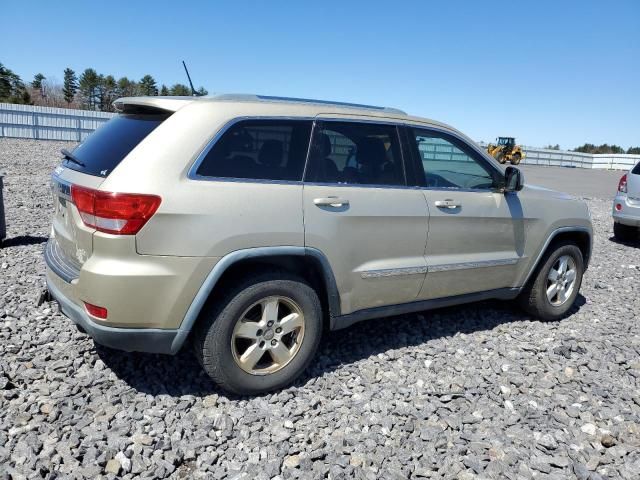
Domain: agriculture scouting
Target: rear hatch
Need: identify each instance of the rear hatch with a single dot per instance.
(87, 166)
(633, 185)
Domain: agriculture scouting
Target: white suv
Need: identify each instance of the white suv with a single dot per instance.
(626, 206)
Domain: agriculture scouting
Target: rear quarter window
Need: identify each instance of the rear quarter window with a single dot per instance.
(259, 150)
(636, 169)
(103, 150)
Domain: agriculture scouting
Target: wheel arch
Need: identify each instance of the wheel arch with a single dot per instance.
(581, 236)
(309, 263)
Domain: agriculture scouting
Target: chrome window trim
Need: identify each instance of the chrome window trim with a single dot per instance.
(192, 175)
(403, 160)
(357, 185)
(486, 160)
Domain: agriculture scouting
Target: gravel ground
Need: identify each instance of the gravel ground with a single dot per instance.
(481, 391)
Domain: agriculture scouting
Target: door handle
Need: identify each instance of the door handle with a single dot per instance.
(448, 203)
(330, 202)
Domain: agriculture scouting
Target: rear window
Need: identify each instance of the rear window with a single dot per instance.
(261, 150)
(103, 150)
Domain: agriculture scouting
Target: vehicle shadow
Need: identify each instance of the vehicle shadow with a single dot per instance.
(22, 240)
(182, 374)
(633, 243)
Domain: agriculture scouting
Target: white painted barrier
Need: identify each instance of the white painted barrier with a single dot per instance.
(49, 123)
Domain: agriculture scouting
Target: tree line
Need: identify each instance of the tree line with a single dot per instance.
(88, 91)
(606, 148)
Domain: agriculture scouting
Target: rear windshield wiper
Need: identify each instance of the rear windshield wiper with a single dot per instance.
(71, 157)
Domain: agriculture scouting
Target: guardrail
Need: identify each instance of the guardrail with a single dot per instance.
(49, 123)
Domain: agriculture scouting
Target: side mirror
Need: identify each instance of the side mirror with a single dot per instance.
(513, 180)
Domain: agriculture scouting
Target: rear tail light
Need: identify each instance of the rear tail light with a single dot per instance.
(622, 186)
(115, 213)
(96, 311)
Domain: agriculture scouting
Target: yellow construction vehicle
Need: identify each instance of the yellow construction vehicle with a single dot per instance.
(506, 150)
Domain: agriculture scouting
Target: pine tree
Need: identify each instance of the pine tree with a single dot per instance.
(108, 93)
(12, 89)
(148, 86)
(180, 90)
(36, 84)
(70, 85)
(89, 84)
(5, 83)
(201, 92)
(164, 91)
(127, 88)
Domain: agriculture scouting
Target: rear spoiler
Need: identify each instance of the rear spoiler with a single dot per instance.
(150, 105)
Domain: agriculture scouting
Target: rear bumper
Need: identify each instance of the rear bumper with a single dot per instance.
(150, 340)
(629, 214)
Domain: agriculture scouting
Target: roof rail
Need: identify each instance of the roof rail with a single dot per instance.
(269, 98)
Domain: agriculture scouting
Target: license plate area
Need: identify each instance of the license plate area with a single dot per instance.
(61, 195)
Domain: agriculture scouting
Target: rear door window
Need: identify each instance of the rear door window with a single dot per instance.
(259, 150)
(355, 153)
(103, 150)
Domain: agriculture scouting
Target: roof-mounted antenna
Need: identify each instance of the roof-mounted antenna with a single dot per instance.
(193, 90)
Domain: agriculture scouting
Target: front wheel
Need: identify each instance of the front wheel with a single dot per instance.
(262, 335)
(515, 159)
(555, 285)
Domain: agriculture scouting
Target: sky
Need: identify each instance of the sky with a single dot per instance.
(547, 72)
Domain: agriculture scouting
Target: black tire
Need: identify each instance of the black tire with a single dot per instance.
(500, 158)
(624, 233)
(213, 334)
(515, 159)
(533, 299)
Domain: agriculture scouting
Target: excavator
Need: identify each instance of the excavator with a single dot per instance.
(506, 150)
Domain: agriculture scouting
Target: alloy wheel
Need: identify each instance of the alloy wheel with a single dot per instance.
(561, 280)
(268, 335)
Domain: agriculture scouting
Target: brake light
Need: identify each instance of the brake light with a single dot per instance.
(94, 310)
(622, 186)
(115, 213)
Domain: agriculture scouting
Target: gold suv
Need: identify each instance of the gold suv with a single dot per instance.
(249, 224)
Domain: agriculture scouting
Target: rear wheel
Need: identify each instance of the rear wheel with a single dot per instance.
(624, 233)
(555, 285)
(262, 335)
(515, 159)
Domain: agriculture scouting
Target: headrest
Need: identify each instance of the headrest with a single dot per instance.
(270, 153)
(325, 145)
(371, 152)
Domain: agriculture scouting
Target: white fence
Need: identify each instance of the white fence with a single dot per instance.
(48, 123)
(561, 158)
